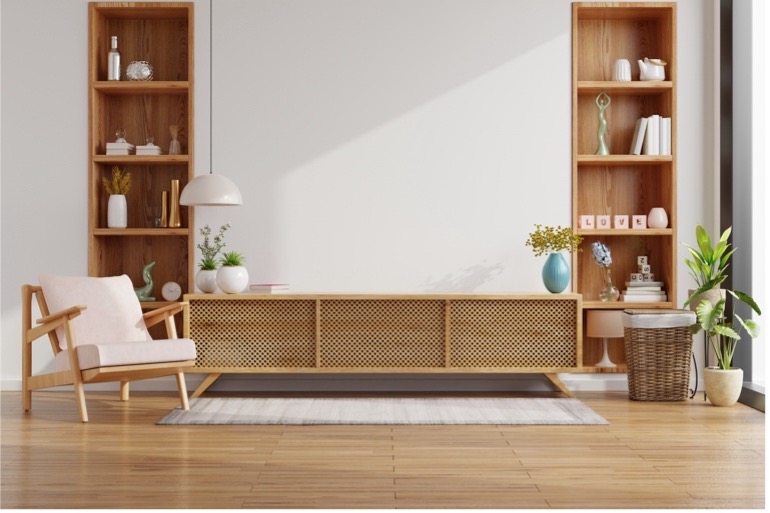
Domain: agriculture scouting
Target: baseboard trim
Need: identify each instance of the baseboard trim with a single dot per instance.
(369, 383)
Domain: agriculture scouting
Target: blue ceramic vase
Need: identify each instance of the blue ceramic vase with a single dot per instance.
(556, 273)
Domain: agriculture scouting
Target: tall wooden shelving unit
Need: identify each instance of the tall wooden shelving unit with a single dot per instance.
(620, 183)
(160, 33)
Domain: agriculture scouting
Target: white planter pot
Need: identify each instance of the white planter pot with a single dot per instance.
(206, 280)
(723, 387)
(117, 211)
(232, 280)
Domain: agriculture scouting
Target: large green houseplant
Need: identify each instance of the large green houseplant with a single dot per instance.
(723, 382)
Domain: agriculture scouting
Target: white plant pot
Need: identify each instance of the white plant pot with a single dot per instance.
(232, 279)
(723, 387)
(117, 211)
(206, 280)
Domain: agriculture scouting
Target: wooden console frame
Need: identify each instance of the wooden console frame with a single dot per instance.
(385, 333)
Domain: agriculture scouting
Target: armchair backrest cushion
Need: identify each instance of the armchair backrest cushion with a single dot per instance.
(113, 314)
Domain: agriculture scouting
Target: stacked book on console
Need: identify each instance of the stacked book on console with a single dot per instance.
(644, 292)
(652, 136)
(268, 288)
(120, 148)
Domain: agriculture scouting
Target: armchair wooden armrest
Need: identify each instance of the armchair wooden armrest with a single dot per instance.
(70, 312)
(53, 321)
(166, 313)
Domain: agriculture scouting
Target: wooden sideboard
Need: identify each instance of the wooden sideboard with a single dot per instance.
(385, 333)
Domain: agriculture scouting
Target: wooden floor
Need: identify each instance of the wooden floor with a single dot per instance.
(652, 455)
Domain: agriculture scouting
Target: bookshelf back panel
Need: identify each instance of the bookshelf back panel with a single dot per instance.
(617, 190)
(142, 116)
(624, 251)
(621, 116)
(603, 41)
(128, 255)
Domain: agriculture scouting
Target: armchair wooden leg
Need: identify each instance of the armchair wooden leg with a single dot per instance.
(180, 382)
(80, 398)
(124, 390)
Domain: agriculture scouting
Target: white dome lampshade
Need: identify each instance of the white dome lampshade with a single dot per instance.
(211, 190)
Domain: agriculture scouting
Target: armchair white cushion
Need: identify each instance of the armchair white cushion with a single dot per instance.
(111, 331)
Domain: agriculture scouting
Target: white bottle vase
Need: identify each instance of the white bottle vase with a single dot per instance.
(117, 211)
(657, 218)
(232, 279)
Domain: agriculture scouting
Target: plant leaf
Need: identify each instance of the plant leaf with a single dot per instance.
(709, 315)
(704, 242)
(726, 331)
(745, 298)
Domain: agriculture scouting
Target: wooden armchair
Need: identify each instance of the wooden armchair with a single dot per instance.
(98, 333)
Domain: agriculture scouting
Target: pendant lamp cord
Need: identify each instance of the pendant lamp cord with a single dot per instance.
(211, 86)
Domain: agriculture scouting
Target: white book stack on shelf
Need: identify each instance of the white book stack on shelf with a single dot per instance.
(148, 149)
(119, 148)
(642, 288)
(644, 292)
(652, 136)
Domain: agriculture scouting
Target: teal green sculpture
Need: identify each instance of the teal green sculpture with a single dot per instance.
(143, 293)
(602, 101)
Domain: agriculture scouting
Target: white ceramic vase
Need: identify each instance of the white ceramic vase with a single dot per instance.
(232, 279)
(621, 71)
(723, 387)
(206, 280)
(117, 211)
(657, 218)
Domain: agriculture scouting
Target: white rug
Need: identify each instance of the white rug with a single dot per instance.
(308, 411)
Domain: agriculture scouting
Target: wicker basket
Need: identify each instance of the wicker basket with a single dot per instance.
(658, 354)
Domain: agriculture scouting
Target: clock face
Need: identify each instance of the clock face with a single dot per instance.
(171, 291)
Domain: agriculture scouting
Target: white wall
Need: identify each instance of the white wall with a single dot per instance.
(380, 145)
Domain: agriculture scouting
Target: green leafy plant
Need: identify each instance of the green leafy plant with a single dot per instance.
(547, 239)
(709, 262)
(232, 259)
(722, 333)
(210, 249)
(120, 183)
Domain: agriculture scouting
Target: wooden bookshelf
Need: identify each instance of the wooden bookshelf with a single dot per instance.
(620, 183)
(160, 33)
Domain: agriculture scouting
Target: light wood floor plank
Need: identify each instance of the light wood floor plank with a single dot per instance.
(652, 455)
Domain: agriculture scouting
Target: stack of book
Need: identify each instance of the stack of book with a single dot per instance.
(644, 292)
(148, 149)
(268, 288)
(120, 148)
(652, 136)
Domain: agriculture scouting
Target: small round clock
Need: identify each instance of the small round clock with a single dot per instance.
(171, 291)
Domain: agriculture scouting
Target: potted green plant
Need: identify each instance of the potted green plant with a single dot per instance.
(117, 186)
(552, 241)
(206, 279)
(232, 276)
(707, 266)
(723, 382)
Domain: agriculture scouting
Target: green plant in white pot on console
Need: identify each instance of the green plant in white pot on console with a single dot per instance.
(547, 240)
(232, 276)
(206, 279)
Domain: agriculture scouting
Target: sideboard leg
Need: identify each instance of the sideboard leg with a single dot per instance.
(554, 378)
(210, 379)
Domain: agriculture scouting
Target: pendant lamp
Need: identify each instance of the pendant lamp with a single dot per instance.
(211, 189)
